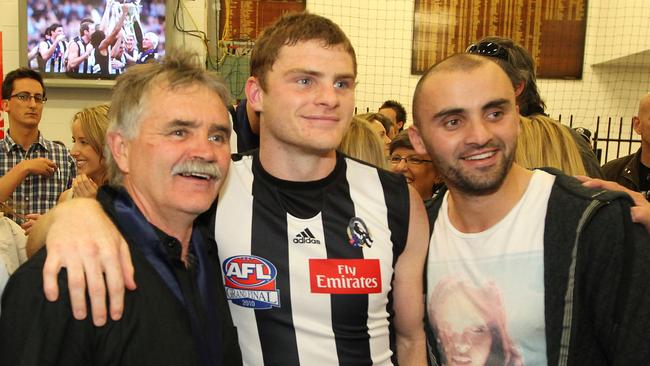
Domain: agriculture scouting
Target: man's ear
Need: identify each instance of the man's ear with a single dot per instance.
(416, 140)
(520, 88)
(5, 105)
(119, 148)
(254, 93)
(636, 124)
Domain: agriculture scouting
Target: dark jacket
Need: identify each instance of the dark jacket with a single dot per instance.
(596, 278)
(624, 171)
(155, 328)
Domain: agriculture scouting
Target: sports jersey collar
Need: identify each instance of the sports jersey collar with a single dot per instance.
(291, 185)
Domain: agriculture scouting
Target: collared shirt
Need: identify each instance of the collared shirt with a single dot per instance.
(37, 194)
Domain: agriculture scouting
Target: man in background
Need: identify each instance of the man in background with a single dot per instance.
(34, 170)
(396, 112)
(633, 171)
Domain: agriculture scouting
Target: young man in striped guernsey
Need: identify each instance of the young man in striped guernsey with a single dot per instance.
(322, 255)
(54, 50)
(319, 264)
(80, 49)
(524, 267)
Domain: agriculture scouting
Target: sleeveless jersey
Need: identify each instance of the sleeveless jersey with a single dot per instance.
(312, 290)
(56, 62)
(85, 67)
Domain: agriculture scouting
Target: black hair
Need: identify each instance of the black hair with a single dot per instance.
(400, 112)
(19, 73)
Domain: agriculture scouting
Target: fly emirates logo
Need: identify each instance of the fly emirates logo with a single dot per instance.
(345, 276)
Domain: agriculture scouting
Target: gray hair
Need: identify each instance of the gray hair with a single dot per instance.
(130, 97)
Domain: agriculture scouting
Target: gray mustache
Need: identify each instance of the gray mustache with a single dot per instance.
(199, 168)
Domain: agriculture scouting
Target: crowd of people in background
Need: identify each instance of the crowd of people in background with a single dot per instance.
(284, 229)
(94, 40)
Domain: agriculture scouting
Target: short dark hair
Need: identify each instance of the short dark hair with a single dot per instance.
(400, 141)
(84, 25)
(288, 31)
(52, 28)
(19, 73)
(400, 112)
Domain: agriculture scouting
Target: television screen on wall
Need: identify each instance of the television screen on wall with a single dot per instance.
(91, 39)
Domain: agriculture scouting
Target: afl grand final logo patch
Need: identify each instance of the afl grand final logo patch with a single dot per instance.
(250, 282)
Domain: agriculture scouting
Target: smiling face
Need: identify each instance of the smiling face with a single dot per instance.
(308, 100)
(147, 43)
(421, 176)
(129, 42)
(469, 124)
(88, 160)
(180, 126)
(24, 114)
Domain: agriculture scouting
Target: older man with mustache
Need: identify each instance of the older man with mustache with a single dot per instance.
(169, 150)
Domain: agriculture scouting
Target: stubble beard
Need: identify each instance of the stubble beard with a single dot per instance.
(476, 183)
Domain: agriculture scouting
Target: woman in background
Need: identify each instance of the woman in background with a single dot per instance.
(361, 142)
(382, 126)
(88, 137)
(544, 142)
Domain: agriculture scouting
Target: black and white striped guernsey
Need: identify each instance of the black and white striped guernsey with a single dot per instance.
(308, 266)
(85, 67)
(56, 62)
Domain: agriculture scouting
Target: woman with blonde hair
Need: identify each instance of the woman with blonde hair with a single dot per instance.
(88, 135)
(382, 126)
(543, 142)
(361, 142)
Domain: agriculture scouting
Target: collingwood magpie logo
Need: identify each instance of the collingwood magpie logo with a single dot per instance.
(305, 237)
(358, 233)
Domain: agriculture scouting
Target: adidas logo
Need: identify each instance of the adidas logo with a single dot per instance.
(305, 237)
